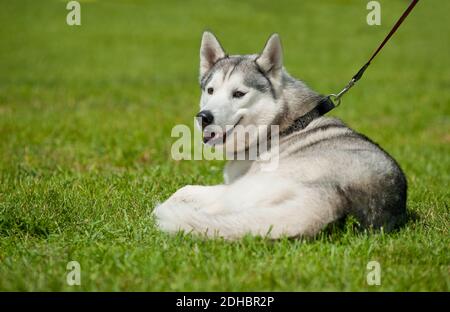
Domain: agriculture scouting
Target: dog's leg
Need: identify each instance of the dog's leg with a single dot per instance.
(260, 205)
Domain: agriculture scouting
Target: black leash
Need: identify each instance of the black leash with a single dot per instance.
(333, 100)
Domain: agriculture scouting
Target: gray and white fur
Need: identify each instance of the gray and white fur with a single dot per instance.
(326, 171)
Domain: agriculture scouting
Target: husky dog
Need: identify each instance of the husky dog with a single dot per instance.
(326, 170)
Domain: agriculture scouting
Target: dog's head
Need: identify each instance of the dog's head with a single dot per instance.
(237, 89)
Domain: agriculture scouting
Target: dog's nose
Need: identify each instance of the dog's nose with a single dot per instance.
(206, 118)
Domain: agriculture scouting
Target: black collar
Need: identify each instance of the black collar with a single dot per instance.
(322, 107)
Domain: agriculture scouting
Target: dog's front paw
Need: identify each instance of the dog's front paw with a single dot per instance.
(168, 219)
(173, 215)
(165, 218)
(181, 210)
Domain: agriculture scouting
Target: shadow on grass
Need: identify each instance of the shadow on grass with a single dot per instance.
(350, 226)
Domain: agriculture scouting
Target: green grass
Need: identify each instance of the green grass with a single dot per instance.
(85, 120)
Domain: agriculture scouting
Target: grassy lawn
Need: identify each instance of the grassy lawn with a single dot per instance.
(85, 119)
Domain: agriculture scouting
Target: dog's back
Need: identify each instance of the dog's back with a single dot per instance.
(368, 182)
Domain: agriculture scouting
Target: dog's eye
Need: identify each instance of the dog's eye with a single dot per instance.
(210, 90)
(238, 94)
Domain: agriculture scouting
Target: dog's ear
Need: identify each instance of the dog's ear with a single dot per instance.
(271, 58)
(210, 52)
